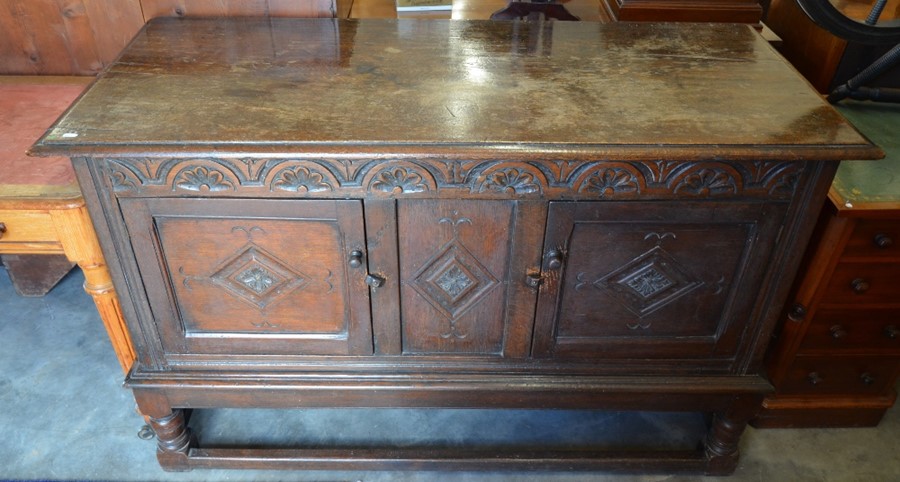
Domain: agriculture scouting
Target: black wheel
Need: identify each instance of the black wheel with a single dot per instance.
(871, 32)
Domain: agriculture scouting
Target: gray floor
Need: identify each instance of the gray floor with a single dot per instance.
(65, 416)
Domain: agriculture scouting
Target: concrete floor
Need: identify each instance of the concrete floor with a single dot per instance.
(65, 416)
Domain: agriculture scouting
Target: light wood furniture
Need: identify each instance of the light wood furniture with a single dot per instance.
(404, 213)
(41, 208)
(838, 354)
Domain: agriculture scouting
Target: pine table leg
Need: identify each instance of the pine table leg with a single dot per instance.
(80, 245)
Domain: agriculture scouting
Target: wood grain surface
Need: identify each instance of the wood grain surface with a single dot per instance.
(288, 84)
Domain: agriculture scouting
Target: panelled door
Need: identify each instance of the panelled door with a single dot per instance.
(238, 276)
(645, 280)
(463, 267)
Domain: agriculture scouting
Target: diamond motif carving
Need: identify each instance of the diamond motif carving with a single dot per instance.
(648, 283)
(258, 277)
(454, 280)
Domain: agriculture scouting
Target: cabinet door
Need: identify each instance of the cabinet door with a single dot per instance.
(651, 280)
(253, 276)
(463, 269)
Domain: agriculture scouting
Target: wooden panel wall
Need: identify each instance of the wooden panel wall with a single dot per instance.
(81, 37)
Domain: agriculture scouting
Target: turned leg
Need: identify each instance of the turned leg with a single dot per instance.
(80, 245)
(173, 437)
(173, 440)
(724, 435)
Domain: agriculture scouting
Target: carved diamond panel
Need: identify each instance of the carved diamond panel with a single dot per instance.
(453, 281)
(257, 277)
(649, 282)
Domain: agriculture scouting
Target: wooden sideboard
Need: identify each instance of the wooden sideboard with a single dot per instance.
(403, 213)
(837, 356)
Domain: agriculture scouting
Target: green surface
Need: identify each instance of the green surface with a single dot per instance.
(872, 181)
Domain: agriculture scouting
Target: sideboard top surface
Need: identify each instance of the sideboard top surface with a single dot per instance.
(474, 88)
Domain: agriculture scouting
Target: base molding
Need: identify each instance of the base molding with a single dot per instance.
(819, 412)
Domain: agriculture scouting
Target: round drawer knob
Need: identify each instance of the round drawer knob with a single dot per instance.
(882, 240)
(554, 259)
(2, 230)
(797, 312)
(814, 378)
(891, 332)
(355, 259)
(859, 285)
(838, 332)
(867, 379)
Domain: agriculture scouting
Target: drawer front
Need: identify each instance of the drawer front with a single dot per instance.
(840, 375)
(254, 276)
(878, 239)
(854, 329)
(862, 283)
(27, 227)
(647, 280)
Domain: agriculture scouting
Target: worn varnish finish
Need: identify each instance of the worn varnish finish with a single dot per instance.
(589, 84)
(451, 214)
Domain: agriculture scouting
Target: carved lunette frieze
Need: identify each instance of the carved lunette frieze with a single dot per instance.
(433, 178)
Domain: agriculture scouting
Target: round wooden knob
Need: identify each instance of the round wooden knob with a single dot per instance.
(882, 240)
(797, 312)
(859, 285)
(355, 259)
(2, 230)
(867, 379)
(554, 259)
(838, 332)
(814, 378)
(891, 332)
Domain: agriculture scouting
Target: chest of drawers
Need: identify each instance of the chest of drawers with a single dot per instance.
(323, 213)
(837, 355)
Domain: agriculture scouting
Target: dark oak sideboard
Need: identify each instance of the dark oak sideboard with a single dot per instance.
(403, 213)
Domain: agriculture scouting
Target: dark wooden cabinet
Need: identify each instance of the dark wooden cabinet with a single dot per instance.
(452, 214)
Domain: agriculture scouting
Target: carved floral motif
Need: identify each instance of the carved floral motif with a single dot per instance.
(386, 177)
(300, 179)
(399, 180)
(708, 182)
(511, 181)
(608, 182)
(195, 179)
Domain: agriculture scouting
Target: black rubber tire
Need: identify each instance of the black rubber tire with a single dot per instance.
(825, 15)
